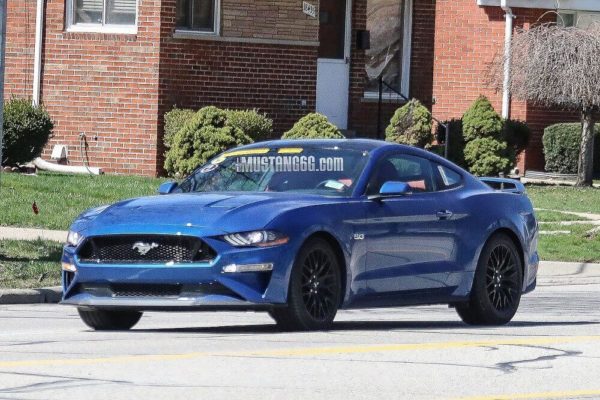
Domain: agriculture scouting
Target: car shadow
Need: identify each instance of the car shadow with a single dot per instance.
(361, 326)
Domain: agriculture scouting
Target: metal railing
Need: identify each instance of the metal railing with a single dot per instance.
(383, 84)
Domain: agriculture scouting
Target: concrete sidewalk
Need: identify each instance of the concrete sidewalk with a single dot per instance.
(14, 233)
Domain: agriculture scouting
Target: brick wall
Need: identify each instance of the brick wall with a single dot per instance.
(467, 39)
(105, 86)
(278, 79)
(363, 112)
(268, 19)
(20, 33)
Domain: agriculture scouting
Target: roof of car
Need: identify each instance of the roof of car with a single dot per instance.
(354, 144)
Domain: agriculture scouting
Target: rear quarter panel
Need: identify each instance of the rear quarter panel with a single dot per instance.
(484, 212)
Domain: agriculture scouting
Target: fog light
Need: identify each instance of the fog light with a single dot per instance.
(69, 267)
(235, 268)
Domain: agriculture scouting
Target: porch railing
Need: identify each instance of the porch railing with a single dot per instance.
(382, 85)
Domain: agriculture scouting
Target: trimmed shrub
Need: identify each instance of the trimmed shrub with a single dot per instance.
(252, 123)
(517, 135)
(457, 141)
(481, 120)
(26, 131)
(486, 150)
(411, 125)
(313, 126)
(487, 156)
(562, 144)
(204, 136)
(174, 121)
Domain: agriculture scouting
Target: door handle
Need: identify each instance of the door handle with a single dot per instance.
(444, 214)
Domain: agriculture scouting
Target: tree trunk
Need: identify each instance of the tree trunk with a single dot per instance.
(585, 168)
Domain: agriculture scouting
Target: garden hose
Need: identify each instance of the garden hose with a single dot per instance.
(82, 150)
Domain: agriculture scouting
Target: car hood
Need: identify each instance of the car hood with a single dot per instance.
(193, 213)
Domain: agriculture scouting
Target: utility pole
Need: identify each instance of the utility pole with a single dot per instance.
(2, 51)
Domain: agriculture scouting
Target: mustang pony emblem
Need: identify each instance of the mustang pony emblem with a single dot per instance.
(144, 248)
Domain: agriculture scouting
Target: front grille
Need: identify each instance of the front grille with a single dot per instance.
(145, 290)
(145, 249)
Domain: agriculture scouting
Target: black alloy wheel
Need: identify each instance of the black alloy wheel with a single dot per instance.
(315, 289)
(502, 282)
(497, 286)
(319, 285)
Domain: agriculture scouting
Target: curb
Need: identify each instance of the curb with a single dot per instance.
(31, 296)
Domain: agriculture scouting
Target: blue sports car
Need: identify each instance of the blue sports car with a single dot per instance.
(301, 229)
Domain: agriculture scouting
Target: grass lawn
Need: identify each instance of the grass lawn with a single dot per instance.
(565, 198)
(554, 216)
(60, 198)
(576, 246)
(29, 264)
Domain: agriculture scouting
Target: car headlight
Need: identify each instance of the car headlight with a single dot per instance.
(74, 238)
(256, 238)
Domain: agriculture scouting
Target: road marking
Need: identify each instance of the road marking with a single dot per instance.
(541, 395)
(309, 351)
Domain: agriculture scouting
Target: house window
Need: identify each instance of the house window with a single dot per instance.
(577, 18)
(102, 15)
(198, 15)
(390, 24)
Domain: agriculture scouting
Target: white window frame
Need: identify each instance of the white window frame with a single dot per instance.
(217, 25)
(576, 15)
(406, 58)
(99, 28)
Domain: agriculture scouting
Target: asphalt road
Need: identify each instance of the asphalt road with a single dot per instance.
(550, 351)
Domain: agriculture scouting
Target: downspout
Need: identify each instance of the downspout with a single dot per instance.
(37, 57)
(509, 16)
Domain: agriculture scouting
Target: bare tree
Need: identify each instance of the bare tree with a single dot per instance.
(557, 66)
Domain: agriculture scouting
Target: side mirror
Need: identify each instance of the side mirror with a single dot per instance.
(167, 187)
(392, 189)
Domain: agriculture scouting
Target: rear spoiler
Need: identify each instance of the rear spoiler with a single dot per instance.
(504, 184)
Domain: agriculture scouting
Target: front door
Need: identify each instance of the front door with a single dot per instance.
(333, 66)
(411, 240)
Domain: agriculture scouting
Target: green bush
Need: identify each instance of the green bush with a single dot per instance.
(487, 156)
(457, 141)
(313, 126)
(204, 136)
(486, 150)
(562, 144)
(411, 125)
(481, 120)
(26, 131)
(257, 126)
(174, 121)
(252, 123)
(517, 135)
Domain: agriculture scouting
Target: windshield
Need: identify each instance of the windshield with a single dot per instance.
(328, 171)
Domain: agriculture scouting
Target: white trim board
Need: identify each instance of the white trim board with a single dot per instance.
(577, 5)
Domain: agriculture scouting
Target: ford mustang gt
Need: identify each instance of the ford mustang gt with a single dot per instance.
(300, 229)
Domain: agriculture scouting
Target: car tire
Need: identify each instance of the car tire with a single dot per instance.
(104, 320)
(497, 286)
(315, 289)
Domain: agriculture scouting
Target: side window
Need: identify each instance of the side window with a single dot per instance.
(447, 178)
(415, 171)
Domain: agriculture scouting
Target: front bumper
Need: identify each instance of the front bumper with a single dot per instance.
(202, 286)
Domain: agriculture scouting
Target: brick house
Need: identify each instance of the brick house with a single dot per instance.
(112, 68)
